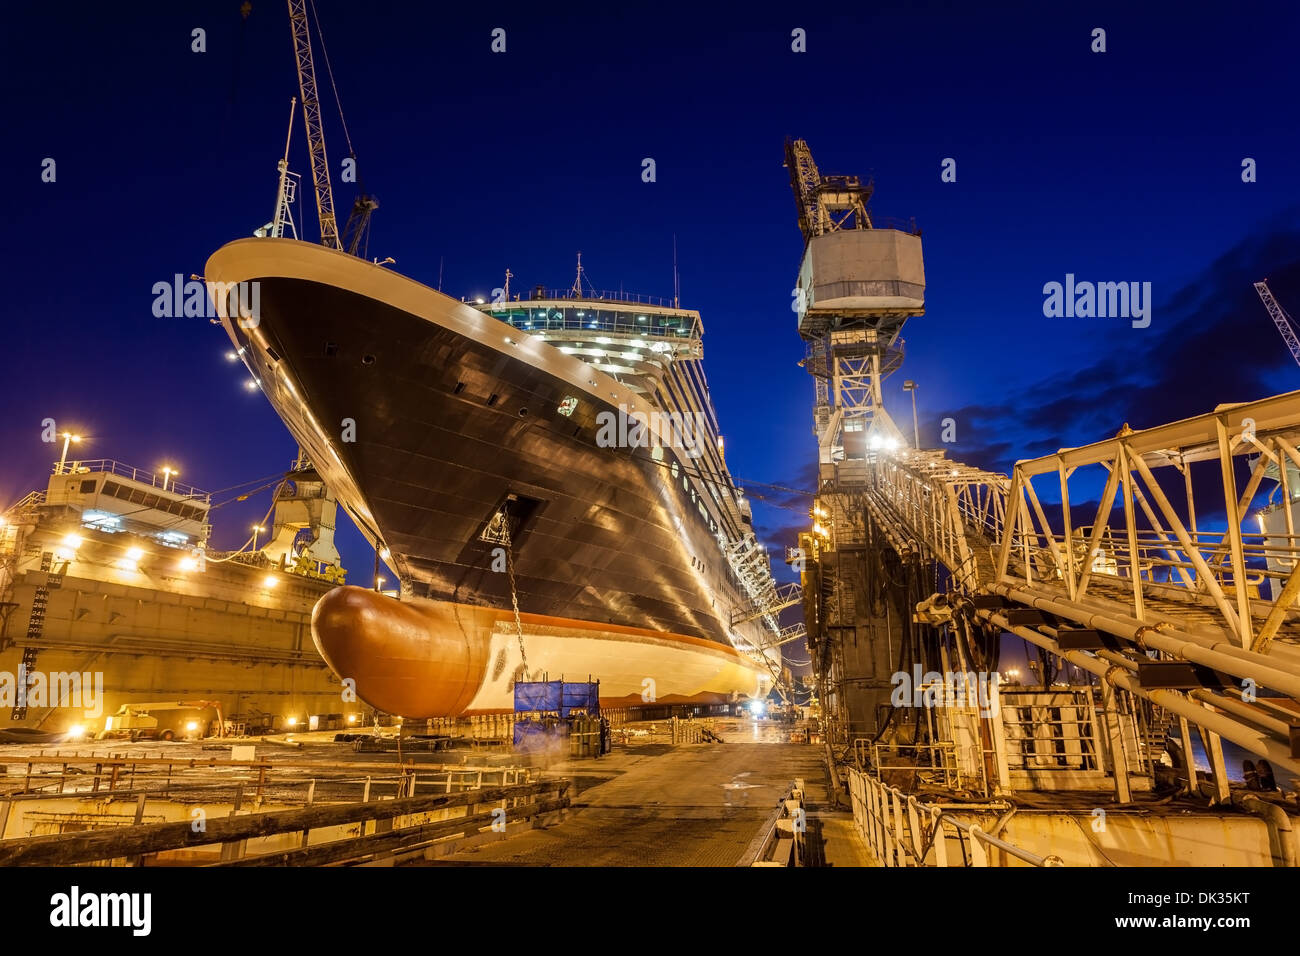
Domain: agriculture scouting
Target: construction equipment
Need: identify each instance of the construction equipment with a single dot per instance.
(138, 721)
(1145, 621)
(858, 284)
(356, 230)
(1280, 319)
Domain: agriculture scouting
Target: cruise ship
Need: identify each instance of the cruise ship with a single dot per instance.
(543, 475)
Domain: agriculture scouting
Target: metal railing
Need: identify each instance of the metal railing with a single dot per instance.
(900, 830)
(407, 823)
(111, 467)
(942, 757)
(591, 295)
(529, 317)
(29, 502)
(1051, 730)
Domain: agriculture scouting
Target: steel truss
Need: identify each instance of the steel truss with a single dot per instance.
(1163, 582)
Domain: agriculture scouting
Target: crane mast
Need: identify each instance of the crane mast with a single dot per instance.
(320, 170)
(1280, 319)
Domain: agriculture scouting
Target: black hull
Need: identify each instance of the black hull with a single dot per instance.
(446, 426)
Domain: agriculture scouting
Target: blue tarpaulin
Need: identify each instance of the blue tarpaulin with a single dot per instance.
(557, 697)
(534, 735)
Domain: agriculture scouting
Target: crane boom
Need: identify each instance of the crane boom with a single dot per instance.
(1280, 319)
(320, 169)
(826, 203)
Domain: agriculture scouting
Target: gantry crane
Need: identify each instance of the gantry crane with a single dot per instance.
(1280, 319)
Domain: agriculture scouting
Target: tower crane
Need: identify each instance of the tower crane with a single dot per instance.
(357, 226)
(1280, 319)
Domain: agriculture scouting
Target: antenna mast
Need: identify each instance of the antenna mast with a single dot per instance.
(576, 291)
(288, 188)
(677, 279)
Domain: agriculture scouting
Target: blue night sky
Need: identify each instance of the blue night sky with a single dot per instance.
(1122, 166)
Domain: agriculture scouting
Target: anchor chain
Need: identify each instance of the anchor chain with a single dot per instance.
(510, 573)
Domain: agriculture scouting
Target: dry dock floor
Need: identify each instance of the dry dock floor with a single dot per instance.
(654, 804)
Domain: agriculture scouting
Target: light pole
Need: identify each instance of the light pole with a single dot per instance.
(910, 386)
(68, 438)
(168, 474)
(257, 529)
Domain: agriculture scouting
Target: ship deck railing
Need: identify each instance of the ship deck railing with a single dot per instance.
(593, 321)
(594, 296)
(29, 502)
(162, 482)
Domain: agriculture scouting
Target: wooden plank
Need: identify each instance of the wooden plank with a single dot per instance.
(84, 847)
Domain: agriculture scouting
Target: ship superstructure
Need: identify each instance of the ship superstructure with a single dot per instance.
(106, 575)
(655, 350)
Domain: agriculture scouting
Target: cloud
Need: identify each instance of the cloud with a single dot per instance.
(1210, 342)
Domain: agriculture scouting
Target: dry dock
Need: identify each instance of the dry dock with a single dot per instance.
(653, 804)
(755, 798)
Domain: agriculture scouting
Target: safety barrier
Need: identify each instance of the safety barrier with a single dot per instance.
(900, 830)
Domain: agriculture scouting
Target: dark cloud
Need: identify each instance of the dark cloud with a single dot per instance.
(1209, 342)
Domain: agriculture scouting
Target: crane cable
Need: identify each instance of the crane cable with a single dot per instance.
(330, 72)
(338, 103)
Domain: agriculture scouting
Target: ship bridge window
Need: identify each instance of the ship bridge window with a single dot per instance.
(138, 497)
(88, 486)
(675, 469)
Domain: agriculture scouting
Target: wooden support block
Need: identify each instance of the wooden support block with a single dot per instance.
(1180, 675)
(1025, 617)
(1086, 639)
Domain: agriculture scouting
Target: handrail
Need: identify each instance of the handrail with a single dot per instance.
(109, 466)
(595, 296)
(890, 822)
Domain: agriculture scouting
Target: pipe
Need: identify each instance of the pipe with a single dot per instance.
(1257, 742)
(1243, 710)
(1278, 820)
(1178, 643)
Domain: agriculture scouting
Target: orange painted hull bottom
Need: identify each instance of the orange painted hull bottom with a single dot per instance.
(418, 658)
